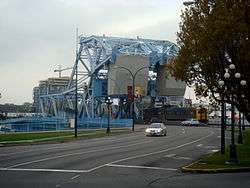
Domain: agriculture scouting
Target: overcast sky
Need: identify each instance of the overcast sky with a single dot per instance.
(38, 35)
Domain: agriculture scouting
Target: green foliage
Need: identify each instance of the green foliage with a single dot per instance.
(213, 34)
(54, 136)
(217, 160)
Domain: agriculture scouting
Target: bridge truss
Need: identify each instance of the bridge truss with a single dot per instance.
(93, 57)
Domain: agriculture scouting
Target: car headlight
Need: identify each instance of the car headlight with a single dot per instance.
(147, 130)
(158, 130)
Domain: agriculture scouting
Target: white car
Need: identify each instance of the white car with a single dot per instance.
(156, 129)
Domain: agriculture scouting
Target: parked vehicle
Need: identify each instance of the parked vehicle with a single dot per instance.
(192, 122)
(165, 113)
(156, 129)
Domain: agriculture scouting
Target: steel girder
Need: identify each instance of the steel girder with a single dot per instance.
(94, 54)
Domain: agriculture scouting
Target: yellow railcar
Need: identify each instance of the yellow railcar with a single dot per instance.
(201, 114)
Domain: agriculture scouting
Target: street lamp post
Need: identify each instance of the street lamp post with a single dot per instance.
(233, 149)
(240, 137)
(243, 123)
(108, 102)
(133, 75)
(221, 84)
(76, 100)
(232, 84)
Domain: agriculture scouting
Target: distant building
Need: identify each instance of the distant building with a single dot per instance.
(48, 86)
(13, 108)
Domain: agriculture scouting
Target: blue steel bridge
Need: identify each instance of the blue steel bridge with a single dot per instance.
(90, 70)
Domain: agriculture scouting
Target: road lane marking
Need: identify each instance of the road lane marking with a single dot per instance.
(162, 151)
(199, 145)
(42, 170)
(183, 158)
(215, 150)
(76, 176)
(70, 146)
(79, 153)
(210, 147)
(142, 167)
(104, 165)
(170, 155)
(152, 153)
(113, 139)
(97, 167)
(174, 156)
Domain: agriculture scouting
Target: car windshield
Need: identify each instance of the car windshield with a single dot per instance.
(155, 125)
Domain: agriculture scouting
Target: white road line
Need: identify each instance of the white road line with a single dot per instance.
(183, 158)
(170, 155)
(174, 156)
(79, 153)
(210, 147)
(42, 170)
(199, 145)
(71, 146)
(97, 167)
(215, 150)
(152, 153)
(162, 151)
(101, 166)
(68, 146)
(141, 167)
(74, 177)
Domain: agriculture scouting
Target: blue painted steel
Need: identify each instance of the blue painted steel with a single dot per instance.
(100, 87)
(30, 124)
(93, 123)
(94, 55)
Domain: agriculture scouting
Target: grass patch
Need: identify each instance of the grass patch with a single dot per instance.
(217, 161)
(14, 138)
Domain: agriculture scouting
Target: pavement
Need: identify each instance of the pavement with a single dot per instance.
(127, 160)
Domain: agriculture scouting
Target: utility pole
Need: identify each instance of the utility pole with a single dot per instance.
(76, 86)
(222, 124)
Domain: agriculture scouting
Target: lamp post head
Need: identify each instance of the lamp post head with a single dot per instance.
(221, 83)
(237, 75)
(226, 75)
(232, 66)
(243, 82)
(108, 101)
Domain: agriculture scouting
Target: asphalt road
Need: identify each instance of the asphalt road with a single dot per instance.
(128, 160)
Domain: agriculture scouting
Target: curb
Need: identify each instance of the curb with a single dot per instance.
(213, 171)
